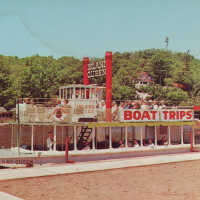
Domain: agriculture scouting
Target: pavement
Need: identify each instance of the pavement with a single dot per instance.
(52, 169)
(77, 167)
(6, 196)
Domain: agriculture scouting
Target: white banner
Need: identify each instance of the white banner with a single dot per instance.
(139, 115)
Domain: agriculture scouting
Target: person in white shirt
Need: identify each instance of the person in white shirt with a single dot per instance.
(135, 143)
(155, 105)
(50, 141)
(150, 143)
(121, 144)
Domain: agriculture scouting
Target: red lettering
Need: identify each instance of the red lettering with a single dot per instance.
(154, 114)
(127, 115)
(137, 115)
(145, 115)
(165, 114)
(172, 115)
(189, 115)
(182, 114)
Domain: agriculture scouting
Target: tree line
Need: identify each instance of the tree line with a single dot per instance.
(175, 75)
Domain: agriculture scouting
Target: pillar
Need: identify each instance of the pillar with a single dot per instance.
(126, 136)
(141, 137)
(32, 137)
(93, 138)
(169, 135)
(12, 136)
(182, 142)
(75, 141)
(54, 138)
(108, 86)
(86, 61)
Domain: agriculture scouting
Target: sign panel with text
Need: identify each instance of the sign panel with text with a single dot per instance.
(96, 69)
(132, 115)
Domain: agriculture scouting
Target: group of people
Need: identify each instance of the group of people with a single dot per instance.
(117, 107)
(134, 143)
(147, 142)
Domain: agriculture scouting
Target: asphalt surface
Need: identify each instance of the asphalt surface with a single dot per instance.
(110, 156)
(93, 157)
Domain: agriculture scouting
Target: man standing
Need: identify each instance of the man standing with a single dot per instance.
(50, 141)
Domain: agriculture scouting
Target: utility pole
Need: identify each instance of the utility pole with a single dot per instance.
(167, 42)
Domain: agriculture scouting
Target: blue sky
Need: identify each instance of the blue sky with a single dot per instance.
(91, 27)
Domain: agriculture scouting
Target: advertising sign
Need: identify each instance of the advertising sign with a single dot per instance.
(96, 69)
(132, 115)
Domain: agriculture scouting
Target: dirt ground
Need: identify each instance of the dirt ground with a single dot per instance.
(175, 181)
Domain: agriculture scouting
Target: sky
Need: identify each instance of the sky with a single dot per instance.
(89, 28)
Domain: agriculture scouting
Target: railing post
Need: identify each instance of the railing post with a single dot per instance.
(169, 135)
(126, 136)
(110, 138)
(54, 138)
(141, 137)
(93, 138)
(32, 137)
(182, 142)
(75, 141)
(66, 149)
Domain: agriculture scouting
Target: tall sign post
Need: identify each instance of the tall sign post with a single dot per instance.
(101, 68)
(108, 86)
(86, 61)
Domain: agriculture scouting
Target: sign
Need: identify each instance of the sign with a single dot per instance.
(96, 69)
(131, 115)
(176, 115)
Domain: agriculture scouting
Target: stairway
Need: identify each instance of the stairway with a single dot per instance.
(83, 137)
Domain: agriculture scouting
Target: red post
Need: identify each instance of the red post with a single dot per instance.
(86, 61)
(108, 86)
(66, 150)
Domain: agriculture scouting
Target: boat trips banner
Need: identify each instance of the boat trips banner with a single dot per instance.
(132, 115)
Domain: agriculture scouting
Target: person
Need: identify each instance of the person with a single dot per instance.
(144, 105)
(136, 105)
(128, 105)
(135, 143)
(50, 141)
(164, 140)
(64, 102)
(155, 105)
(102, 106)
(162, 105)
(121, 144)
(77, 93)
(102, 111)
(87, 146)
(150, 143)
(115, 111)
(33, 112)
